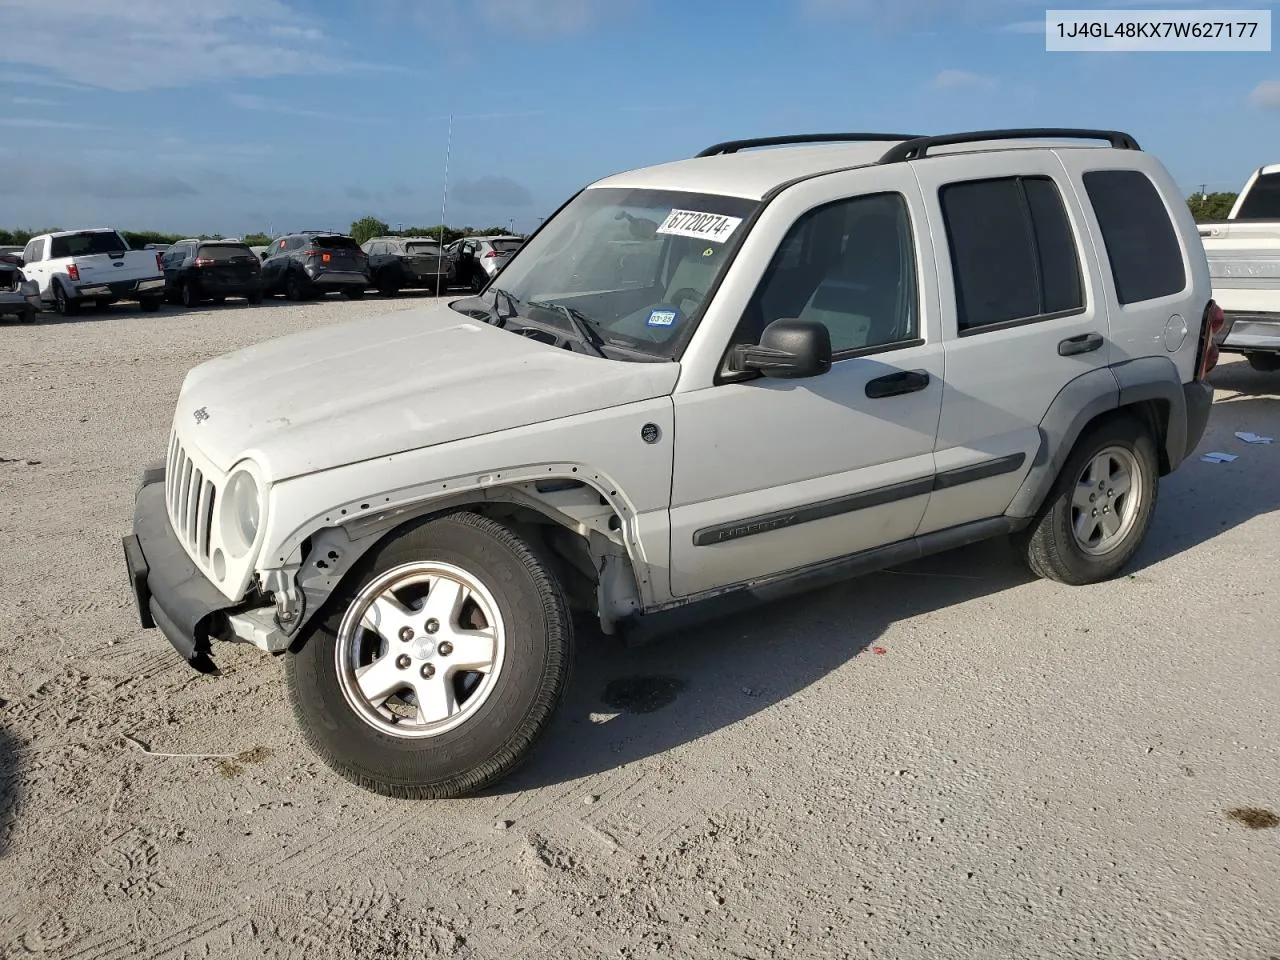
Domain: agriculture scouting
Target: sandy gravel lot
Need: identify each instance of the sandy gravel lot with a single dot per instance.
(947, 760)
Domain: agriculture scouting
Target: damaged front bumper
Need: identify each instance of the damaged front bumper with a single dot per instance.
(174, 596)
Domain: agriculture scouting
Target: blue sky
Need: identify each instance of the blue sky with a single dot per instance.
(245, 115)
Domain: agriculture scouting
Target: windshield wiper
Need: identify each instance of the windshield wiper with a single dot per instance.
(581, 323)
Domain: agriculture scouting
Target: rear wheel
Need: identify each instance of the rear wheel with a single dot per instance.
(189, 296)
(438, 664)
(219, 300)
(1100, 509)
(150, 304)
(255, 299)
(28, 315)
(101, 304)
(354, 293)
(293, 288)
(1265, 362)
(66, 306)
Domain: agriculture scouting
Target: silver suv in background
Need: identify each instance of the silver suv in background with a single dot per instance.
(478, 259)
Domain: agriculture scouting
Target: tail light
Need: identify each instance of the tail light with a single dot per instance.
(324, 256)
(1211, 325)
(204, 261)
(73, 271)
(160, 261)
(491, 254)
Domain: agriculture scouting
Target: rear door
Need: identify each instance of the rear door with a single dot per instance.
(1018, 272)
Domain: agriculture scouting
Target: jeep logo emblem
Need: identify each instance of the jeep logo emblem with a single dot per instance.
(201, 415)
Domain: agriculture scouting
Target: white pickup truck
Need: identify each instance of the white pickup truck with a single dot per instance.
(96, 265)
(1244, 263)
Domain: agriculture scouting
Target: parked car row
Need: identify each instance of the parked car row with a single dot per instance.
(96, 266)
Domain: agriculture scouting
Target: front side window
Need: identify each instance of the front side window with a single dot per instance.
(636, 265)
(849, 265)
(1142, 245)
(1013, 255)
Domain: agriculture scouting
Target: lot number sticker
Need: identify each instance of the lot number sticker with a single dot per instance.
(700, 226)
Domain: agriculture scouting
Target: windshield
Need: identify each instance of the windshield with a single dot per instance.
(635, 265)
(418, 249)
(1262, 202)
(224, 251)
(87, 244)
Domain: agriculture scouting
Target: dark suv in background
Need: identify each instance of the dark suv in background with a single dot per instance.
(196, 270)
(312, 263)
(404, 263)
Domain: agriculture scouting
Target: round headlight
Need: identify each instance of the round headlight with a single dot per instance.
(241, 512)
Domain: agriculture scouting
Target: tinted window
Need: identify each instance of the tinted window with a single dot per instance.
(335, 243)
(87, 244)
(849, 265)
(507, 246)
(1012, 251)
(224, 251)
(1262, 202)
(1141, 242)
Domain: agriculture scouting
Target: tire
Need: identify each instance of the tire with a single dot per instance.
(66, 306)
(188, 295)
(101, 304)
(1264, 362)
(254, 299)
(1051, 545)
(219, 301)
(486, 739)
(150, 304)
(353, 294)
(28, 315)
(293, 288)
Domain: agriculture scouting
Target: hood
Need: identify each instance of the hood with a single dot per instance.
(383, 385)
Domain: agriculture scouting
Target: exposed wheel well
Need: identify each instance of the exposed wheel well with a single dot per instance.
(1154, 415)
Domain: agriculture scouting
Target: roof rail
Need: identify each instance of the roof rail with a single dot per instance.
(919, 148)
(733, 146)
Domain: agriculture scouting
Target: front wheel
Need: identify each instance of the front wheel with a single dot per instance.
(1100, 509)
(434, 670)
(1264, 362)
(293, 288)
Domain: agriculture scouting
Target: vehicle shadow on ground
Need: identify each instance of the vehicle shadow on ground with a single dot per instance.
(1200, 501)
(10, 785)
(624, 705)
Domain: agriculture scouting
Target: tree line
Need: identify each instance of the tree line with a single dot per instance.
(1211, 206)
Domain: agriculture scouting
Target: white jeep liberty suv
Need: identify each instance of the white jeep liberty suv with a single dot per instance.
(746, 373)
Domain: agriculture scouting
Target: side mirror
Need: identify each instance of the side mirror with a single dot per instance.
(263, 255)
(788, 349)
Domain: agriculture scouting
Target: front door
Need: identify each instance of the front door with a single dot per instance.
(774, 475)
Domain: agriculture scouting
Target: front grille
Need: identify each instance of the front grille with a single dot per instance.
(191, 497)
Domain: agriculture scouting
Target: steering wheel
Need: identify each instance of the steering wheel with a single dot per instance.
(687, 293)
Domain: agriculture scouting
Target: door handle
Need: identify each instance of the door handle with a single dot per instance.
(1085, 343)
(896, 384)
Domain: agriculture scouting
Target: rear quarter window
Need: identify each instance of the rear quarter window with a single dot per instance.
(1262, 202)
(87, 244)
(1142, 244)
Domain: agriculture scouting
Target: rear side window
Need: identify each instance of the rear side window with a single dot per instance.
(87, 244)
(507, 246)
(223, 252)
(1141, 242)
(1013, 254)
(335, 243)
(420, 249)
(1262, 202)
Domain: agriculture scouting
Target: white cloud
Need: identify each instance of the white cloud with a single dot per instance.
(43, 123)
(34, 102)
(258, 104)
(964, 79)
(546, 18)
(1266, 95)
(142, 44)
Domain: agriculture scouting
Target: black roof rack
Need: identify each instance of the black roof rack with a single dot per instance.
(918, 148)
(733, 146)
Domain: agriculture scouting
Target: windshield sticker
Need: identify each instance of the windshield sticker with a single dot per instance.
(663, 318)
(700, 226)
